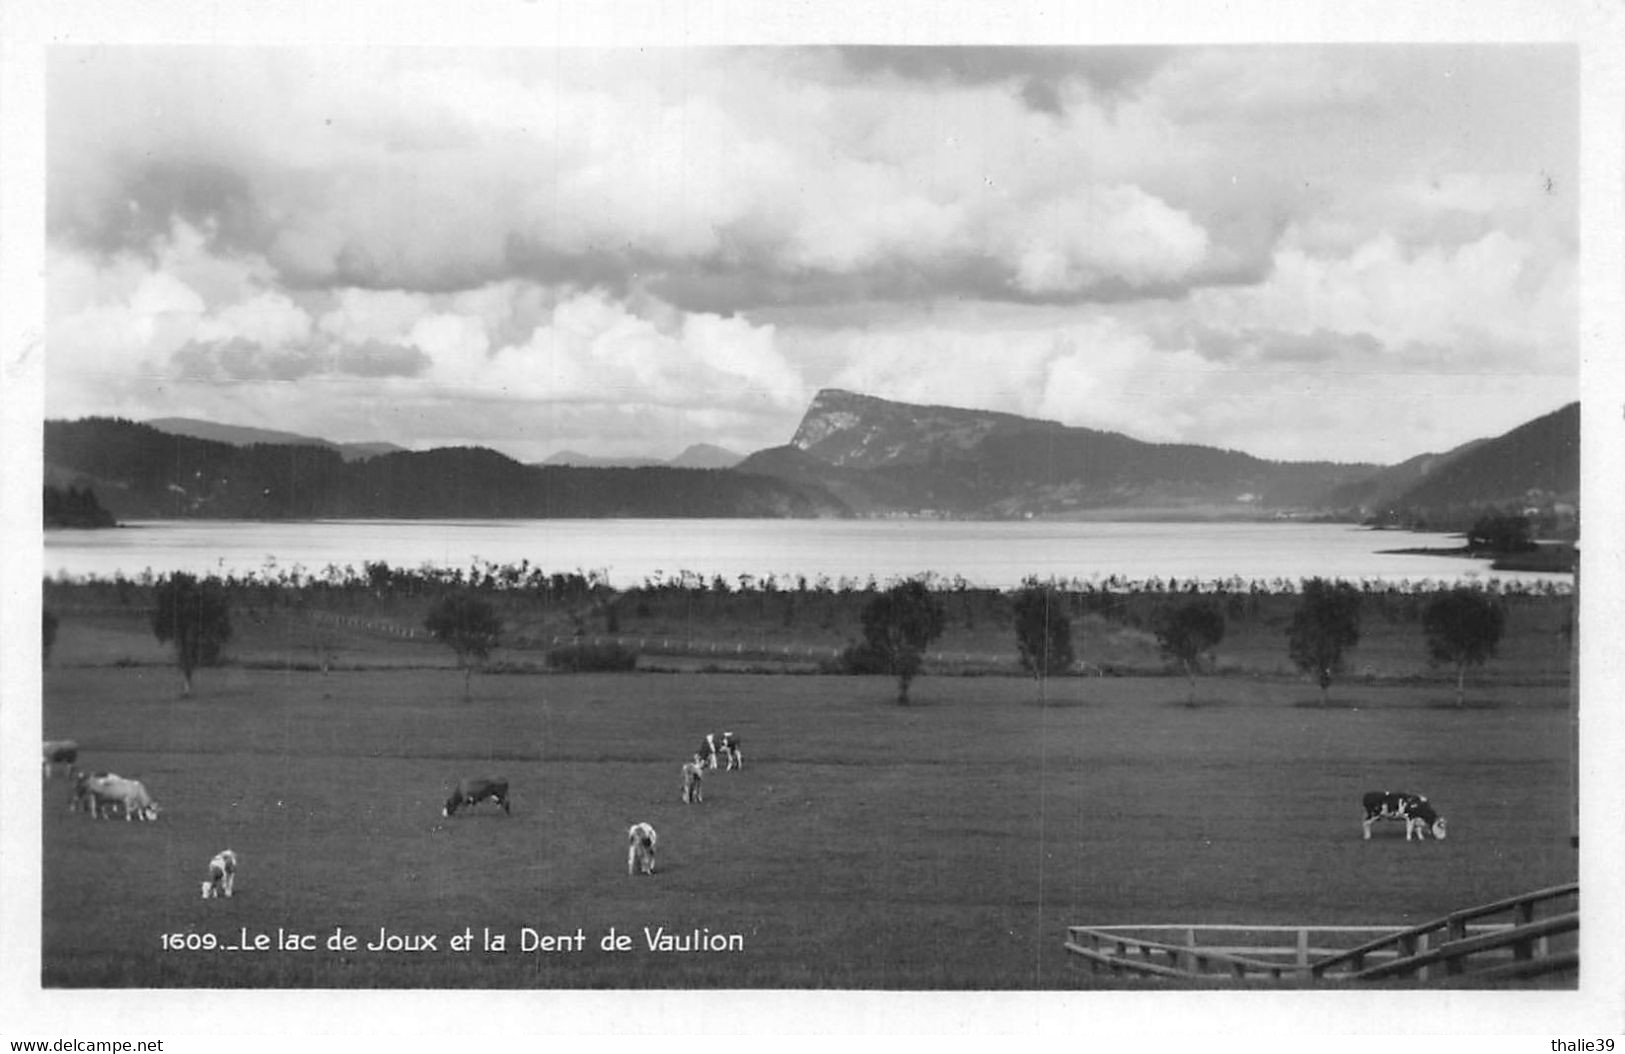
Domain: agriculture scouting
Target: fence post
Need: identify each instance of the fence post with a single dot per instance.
(1457, 930)
(1303, 946)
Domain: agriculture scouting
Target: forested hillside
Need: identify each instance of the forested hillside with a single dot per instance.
(852, 455)
(140, 472)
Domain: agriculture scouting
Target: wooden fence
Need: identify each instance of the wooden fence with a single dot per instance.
(1541, 936)
(1527, 936)
(1239, 952)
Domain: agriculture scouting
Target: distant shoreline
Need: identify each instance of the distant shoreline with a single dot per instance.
(1546, 556)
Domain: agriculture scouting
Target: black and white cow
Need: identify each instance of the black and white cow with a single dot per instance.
(640, 849)
(222, 875)
(475, 790)
(63, 752)
(1412, 810)
(728, 747)
(724, 745)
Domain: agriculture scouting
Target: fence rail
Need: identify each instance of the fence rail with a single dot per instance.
(1521, 940)
(1454, 929)
(1462, 946)
(1240, 950)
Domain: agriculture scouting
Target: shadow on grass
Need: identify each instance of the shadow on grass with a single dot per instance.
(1470, 704)
(1425, 704)
(1199, 704)
(1059, 704)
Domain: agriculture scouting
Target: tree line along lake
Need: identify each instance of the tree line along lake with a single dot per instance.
(628, 552)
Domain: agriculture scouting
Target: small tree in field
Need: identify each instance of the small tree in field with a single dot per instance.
(1463, 628)
(1043, 631)
(467, 625)
(898, 625)
(1187, 632)
(195, 615)
(1326, 623)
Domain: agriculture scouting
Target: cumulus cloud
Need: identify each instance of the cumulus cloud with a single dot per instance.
(1273, 392)
(1046, 75)
(618, 250)
(240, 359)
(441, 176)
(1253, 346)
(374, 358)
(1438, 296)
(422, 170)
(1113, 233)
(596, 350)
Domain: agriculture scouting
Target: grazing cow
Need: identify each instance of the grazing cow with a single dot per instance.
(82, 799)
(222, 875)
(474, 791)
(693, 776)
(1412, 810)
(728, 747)
(640, 849)
(130, 795)
(60, 752)
(707, 754)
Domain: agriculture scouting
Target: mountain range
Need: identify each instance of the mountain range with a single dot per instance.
(697, 455)
(238, 435)
(878, 456)
(852, 455)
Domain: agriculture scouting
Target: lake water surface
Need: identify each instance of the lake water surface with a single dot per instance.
(994, 554)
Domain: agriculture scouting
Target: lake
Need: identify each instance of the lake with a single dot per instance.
(992, 554)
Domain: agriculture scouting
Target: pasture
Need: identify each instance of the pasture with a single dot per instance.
(943, 845)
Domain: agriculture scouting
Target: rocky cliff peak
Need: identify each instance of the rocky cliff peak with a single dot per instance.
(845, 428)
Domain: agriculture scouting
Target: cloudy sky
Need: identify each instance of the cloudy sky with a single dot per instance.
(1357, 253)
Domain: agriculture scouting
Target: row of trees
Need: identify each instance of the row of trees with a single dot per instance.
(1462, 628)
(379, 579)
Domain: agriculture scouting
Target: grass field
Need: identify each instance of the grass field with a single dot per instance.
(947, 844)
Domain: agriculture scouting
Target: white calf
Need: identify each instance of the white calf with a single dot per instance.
(640, 849)
(693, 776)
(222, 875)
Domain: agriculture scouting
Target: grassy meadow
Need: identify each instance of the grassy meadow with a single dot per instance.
(946, 844)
